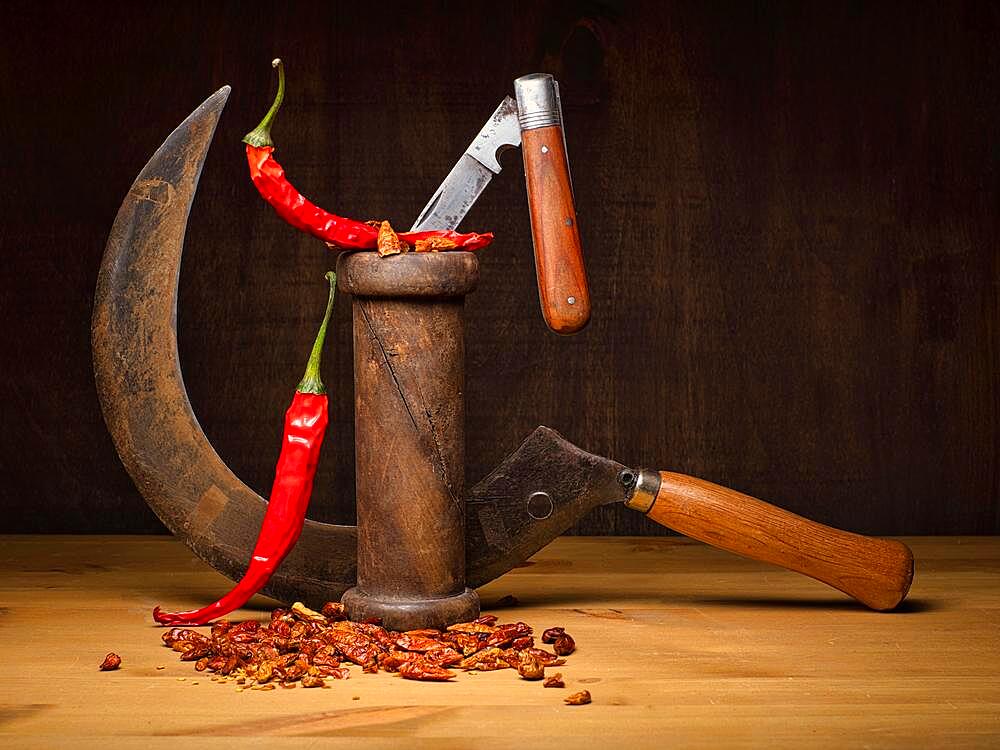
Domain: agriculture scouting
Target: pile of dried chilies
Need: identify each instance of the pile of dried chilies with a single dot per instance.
(302, 645)
(338, 232)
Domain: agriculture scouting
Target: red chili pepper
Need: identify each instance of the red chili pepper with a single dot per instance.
(344, 234)
(305, 425)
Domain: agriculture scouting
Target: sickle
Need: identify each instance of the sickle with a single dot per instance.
(169, 457)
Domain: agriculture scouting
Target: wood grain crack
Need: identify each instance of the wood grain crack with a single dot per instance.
(443, 466)
(388, 363)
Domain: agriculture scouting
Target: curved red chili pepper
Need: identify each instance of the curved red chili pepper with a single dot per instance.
(268, 177)
(305, 426)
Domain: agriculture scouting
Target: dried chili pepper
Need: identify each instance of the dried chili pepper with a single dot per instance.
(419, 670)
(555, 681)
(333, 611)
(338, 232)
(504, 634)
(471, 627)
(519, 644)
(388, 242)
(530, 668)
(578, 699)
(564, 645)
(551, 634)
(305, 426)
(546, 658)
(303, 612)
(443, 657)
(434, 245)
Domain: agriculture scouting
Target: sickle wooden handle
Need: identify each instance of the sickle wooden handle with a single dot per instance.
(562, 280)
(876, 572)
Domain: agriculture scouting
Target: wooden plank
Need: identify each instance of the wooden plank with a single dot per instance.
(680, 645)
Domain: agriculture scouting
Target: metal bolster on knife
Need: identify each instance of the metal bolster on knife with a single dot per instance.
(538, 104)
(643, 494)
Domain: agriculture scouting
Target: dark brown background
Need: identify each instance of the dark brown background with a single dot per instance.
(789, 214)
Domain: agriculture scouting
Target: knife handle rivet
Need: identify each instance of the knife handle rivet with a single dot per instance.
(571, 300)
(545, 149)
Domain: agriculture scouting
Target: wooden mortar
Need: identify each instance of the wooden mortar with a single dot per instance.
(409, 383)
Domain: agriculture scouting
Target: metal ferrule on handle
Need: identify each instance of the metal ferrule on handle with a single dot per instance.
(538, 104)
(643, 494)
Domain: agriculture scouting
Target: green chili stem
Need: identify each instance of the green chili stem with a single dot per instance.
(261, 135)
(311, 382)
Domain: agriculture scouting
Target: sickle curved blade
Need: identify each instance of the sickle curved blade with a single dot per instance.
(184, 480)
(142, 391)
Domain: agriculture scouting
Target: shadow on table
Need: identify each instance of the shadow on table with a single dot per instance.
(908, 606)
(579, 598)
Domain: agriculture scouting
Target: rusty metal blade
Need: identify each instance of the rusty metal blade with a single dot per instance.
(533, 496)
(473, 171)
(456, 195)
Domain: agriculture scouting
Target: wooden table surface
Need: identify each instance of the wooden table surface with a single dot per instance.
(679, 644)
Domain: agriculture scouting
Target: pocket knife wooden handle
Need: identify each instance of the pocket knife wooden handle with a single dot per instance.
(562, 279)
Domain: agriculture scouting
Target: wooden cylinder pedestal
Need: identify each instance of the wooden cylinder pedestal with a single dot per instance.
(409, 383)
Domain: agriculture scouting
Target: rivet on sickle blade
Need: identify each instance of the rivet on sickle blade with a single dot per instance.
(540, 505)
(627, 479)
